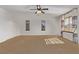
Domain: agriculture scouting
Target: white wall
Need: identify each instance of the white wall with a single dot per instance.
(14, 23)
(8, 28)
(52, 23)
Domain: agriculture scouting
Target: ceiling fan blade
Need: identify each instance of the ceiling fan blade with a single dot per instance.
(44, 9)
(33, 9)
(43, 12)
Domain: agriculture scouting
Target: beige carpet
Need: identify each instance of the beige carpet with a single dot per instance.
(53, 41)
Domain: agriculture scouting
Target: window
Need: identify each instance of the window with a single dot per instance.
(27, 25)
(43, 25)
(69, 23)
(66, 21)
(74, 21)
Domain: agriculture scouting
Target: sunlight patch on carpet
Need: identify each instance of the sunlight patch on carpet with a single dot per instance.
(53, 41)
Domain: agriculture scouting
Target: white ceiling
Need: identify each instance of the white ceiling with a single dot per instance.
(53, 9)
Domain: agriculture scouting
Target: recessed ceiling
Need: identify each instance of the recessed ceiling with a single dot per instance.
(53, 9)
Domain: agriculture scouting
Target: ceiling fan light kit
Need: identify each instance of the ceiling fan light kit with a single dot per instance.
(39, 12)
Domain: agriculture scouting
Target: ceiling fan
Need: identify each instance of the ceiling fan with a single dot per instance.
(39, 9)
